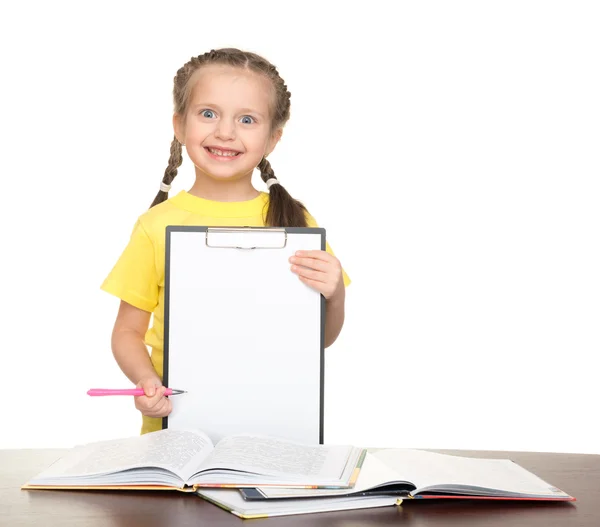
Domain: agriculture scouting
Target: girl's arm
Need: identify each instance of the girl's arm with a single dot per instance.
(128, 345)
(131, 354)
(334, 316)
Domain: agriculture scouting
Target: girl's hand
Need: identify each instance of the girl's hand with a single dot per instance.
(154, 403)
(319, 270)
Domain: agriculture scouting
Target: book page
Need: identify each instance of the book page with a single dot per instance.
(271, 456)
(173, 450)
(374, 474)
(430, 470)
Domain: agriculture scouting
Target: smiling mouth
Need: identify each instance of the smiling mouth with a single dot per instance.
(222, 153)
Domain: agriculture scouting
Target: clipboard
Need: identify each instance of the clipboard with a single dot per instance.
(243, 335)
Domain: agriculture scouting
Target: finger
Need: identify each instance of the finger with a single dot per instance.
(157, 398)
(146, 404)
(326, 289)
(168, 408)
(155, 410)
(316, 254)
(314, 284)
(312, 263)
(149, 386)
(317, 276)
(162, 409)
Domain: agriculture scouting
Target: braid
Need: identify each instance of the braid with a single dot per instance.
(283, 211)
(175, 161)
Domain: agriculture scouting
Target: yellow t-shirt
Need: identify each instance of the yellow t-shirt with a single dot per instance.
(138, 277)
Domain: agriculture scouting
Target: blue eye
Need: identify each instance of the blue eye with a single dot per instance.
(207, 113)
(249, 120)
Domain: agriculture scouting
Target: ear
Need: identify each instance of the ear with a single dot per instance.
(275, 137)
(178, 128)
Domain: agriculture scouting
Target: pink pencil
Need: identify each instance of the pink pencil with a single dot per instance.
(130, 391)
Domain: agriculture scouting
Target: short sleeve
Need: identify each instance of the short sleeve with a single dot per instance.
(134, 277)
(313, 223)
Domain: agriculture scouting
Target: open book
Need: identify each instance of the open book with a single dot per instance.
(186, 460)
(409, 473)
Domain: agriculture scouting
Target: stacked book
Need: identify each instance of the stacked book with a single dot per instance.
(255, 476)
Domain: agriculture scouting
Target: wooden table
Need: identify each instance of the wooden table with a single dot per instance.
(576, 474)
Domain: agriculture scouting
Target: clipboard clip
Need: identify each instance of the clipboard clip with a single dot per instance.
(280, 244)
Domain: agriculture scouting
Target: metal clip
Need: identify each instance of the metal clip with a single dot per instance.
(229, 230)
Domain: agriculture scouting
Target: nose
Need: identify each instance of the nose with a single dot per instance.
(225, 129)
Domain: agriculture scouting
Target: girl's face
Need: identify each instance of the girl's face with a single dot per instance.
(227, 129)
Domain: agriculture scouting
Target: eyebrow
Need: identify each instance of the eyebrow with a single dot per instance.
(212, 105)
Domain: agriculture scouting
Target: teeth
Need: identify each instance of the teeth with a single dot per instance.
(221, 153)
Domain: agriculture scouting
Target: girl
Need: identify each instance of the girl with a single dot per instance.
(230, 107)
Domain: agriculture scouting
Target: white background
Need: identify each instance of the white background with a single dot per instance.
(450, 149)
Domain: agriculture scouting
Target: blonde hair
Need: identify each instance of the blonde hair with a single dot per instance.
(283, 210)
